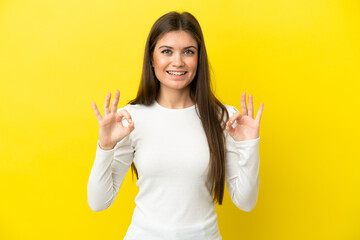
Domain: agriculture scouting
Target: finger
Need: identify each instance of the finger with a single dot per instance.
(115, 102)
(251, 107)
(107, 103)
(259, 113)
(243, 104)
(130, 125)
(229, 128)
(232, 123)
(129, 129)
(235, 117)
(96, 110)
(123, 113)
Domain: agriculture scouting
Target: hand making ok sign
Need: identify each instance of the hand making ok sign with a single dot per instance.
(247, 127)
(111, 128)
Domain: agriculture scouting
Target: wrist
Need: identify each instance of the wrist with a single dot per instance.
(106, 147)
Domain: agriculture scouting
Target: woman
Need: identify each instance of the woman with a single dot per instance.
(184, 145)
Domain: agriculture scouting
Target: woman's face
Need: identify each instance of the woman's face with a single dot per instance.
(175, 60)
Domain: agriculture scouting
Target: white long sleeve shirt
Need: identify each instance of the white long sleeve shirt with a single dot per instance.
(171, 154)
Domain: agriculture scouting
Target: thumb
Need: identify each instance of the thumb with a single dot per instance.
(118, 118)
(128, 129)
(229, 127)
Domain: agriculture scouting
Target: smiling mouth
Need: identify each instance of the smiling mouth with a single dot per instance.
(176, 73)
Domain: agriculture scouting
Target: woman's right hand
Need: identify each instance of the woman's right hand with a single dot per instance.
(111, 129)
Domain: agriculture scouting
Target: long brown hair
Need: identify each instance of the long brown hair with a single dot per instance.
(209, 109)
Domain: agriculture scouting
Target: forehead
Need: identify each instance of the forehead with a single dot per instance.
(177, 39)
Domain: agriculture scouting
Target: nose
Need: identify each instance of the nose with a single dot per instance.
(177, 60)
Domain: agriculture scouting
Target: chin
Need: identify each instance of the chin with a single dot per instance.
(175, 86)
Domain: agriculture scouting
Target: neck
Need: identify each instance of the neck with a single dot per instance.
(175, 99)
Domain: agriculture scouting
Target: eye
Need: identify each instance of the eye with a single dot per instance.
(166, 51)
(187, 52)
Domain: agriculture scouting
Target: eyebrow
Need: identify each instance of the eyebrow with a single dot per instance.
(164, 46)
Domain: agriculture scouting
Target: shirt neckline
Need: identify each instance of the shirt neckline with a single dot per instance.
(173, 109)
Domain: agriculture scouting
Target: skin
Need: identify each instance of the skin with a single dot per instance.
(175, 51)
(247, 128)
(180, 54)
(111, 129)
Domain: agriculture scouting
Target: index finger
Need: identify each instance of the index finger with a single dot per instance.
(125, 114)
(235, 117)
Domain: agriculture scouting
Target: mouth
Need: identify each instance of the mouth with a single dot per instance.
(176, 73)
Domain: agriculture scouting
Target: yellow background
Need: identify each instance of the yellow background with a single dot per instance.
(300, 58)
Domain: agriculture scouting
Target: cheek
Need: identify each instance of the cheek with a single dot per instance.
(159, 62)
(193, 64)
(159, 66)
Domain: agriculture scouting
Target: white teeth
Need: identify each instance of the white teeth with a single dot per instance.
(176, 73)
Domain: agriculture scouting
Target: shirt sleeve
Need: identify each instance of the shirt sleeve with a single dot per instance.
(242, 171)
(107, 174)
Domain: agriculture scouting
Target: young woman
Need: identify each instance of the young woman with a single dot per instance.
(181, 142)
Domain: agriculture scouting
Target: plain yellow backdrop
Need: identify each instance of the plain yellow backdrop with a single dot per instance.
(300, 58)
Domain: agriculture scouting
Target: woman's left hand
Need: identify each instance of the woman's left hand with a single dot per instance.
(247, 127)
